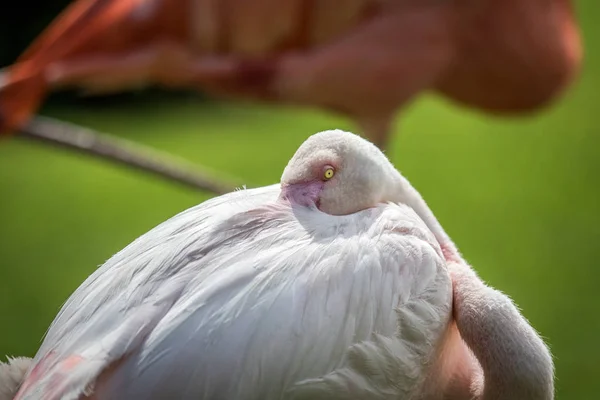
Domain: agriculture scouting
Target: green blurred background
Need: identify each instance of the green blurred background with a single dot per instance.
(521, 197)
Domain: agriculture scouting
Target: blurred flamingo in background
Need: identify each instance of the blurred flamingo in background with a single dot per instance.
(361, 58)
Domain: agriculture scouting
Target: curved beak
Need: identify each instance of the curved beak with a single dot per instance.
(302, 193)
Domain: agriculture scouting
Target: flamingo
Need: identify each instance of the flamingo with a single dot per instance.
(361, 58)
(336, 283)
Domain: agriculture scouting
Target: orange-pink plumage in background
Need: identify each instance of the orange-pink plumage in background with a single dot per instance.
(362, 58)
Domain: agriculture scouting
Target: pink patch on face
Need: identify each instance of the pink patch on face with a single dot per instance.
(304, 194)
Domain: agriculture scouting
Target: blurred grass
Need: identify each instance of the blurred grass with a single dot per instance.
(521, 197)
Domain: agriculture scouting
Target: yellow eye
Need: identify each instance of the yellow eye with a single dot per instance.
(328, 174)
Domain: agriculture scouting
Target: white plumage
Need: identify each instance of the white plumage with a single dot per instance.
(252, 296)
(11, 375)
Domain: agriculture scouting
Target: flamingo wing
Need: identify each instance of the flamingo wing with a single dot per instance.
(247, 297)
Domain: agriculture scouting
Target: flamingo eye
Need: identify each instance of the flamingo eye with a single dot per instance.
(328, 173)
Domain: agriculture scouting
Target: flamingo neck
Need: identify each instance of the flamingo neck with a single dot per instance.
(412, 198)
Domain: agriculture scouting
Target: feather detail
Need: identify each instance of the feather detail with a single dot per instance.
(12, 374)
(188, 312)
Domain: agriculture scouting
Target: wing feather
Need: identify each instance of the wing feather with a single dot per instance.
(258, 300)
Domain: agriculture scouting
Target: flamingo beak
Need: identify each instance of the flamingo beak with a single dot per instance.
(302, 193)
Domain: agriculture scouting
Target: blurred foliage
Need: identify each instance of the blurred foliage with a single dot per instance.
(521, 197)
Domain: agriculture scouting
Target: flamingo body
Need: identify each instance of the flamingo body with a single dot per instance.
(244, 297)
(339, 283)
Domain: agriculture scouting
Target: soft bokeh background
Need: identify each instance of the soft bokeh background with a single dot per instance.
(521, 197)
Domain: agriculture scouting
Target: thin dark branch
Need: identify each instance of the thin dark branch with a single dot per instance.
(124, 152)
